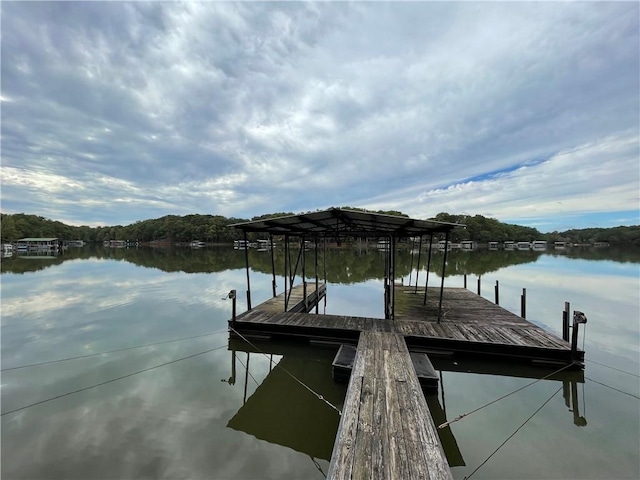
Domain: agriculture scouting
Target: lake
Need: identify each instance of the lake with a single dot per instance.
(151, 387)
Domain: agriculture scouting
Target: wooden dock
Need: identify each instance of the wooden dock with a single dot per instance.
(386, 430)
(471, 326)
(297, 301)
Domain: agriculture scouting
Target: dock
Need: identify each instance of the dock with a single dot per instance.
(471, 327)
(386, 429)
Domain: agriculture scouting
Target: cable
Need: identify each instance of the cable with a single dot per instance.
(245, 367)
(460, 417)
(613, 368)
(111, 351)
(110, 381)
(511, 436)
(613, 388)
(320, 397)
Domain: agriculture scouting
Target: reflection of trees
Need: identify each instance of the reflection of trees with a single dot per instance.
(343, 265)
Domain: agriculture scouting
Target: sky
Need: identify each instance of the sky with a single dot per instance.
(115, 112)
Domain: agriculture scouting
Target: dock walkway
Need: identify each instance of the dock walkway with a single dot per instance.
(386, 430)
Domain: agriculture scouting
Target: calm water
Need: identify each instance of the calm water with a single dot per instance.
(191, 408)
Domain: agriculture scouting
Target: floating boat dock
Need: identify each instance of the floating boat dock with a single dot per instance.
(471, 326)
(386, 430)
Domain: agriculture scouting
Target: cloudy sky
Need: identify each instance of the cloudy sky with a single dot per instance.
(116, 112)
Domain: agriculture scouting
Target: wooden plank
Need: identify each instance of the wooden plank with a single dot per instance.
(364, 436)
(342, 457)
(398, 461)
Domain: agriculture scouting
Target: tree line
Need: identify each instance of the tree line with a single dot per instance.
(218, 229)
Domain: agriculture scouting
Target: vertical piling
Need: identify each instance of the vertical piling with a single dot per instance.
(418, 265)
(523, 303)
(444, 266)
(303, 250)
(426, 282)
(286, 271)
(273, 266)
(578, 318)
(246, 259)
(315, 242)
(232, 296)
(479, 280)
(565, 322)
(497, 292)
(465, 280)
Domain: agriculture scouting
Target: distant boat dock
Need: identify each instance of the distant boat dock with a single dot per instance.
(386, 429)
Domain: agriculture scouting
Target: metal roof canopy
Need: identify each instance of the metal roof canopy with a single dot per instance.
(344, 222)
(338, 222)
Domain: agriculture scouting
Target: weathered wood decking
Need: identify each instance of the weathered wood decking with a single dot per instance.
(470, 326)
(386, 430)
(297, 301)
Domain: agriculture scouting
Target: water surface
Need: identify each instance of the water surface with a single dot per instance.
(192, 409)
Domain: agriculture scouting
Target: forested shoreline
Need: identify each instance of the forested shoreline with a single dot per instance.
(217, 229)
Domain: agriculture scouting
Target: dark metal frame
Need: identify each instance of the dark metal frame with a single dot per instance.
(342, 223)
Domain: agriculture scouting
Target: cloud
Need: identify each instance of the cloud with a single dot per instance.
(247, 108)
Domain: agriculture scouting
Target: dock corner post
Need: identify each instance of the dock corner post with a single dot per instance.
(523, 303)
(274, 285)
(393, 277)
(417, 265)
(565, 322)
(232, 296)
(303, 246)
(578, 318)
(465, 280)
(426, 282)
(497, 290)
(286, 270)
(246, 258)
(444, 267)
(479, 281)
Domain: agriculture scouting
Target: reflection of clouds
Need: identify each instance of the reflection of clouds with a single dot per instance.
(612, 420)
(166, 423)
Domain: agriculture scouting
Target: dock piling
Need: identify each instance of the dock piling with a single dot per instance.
(578, 318)
(523, 303)
(497, 292)
(479, 280)
(565, 322)
(232, 296)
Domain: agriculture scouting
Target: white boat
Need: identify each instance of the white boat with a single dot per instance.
(243, 244)
(468, 245)
(263, 245)
(494, 245)
(560, 245)
(197, 244)
(383, 245)
(442, 244)
(523, 246)
(509, 245)
(539, 245)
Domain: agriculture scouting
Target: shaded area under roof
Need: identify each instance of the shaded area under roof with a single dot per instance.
(342, 222)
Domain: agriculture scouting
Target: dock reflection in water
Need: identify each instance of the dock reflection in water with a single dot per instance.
(283, 412)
